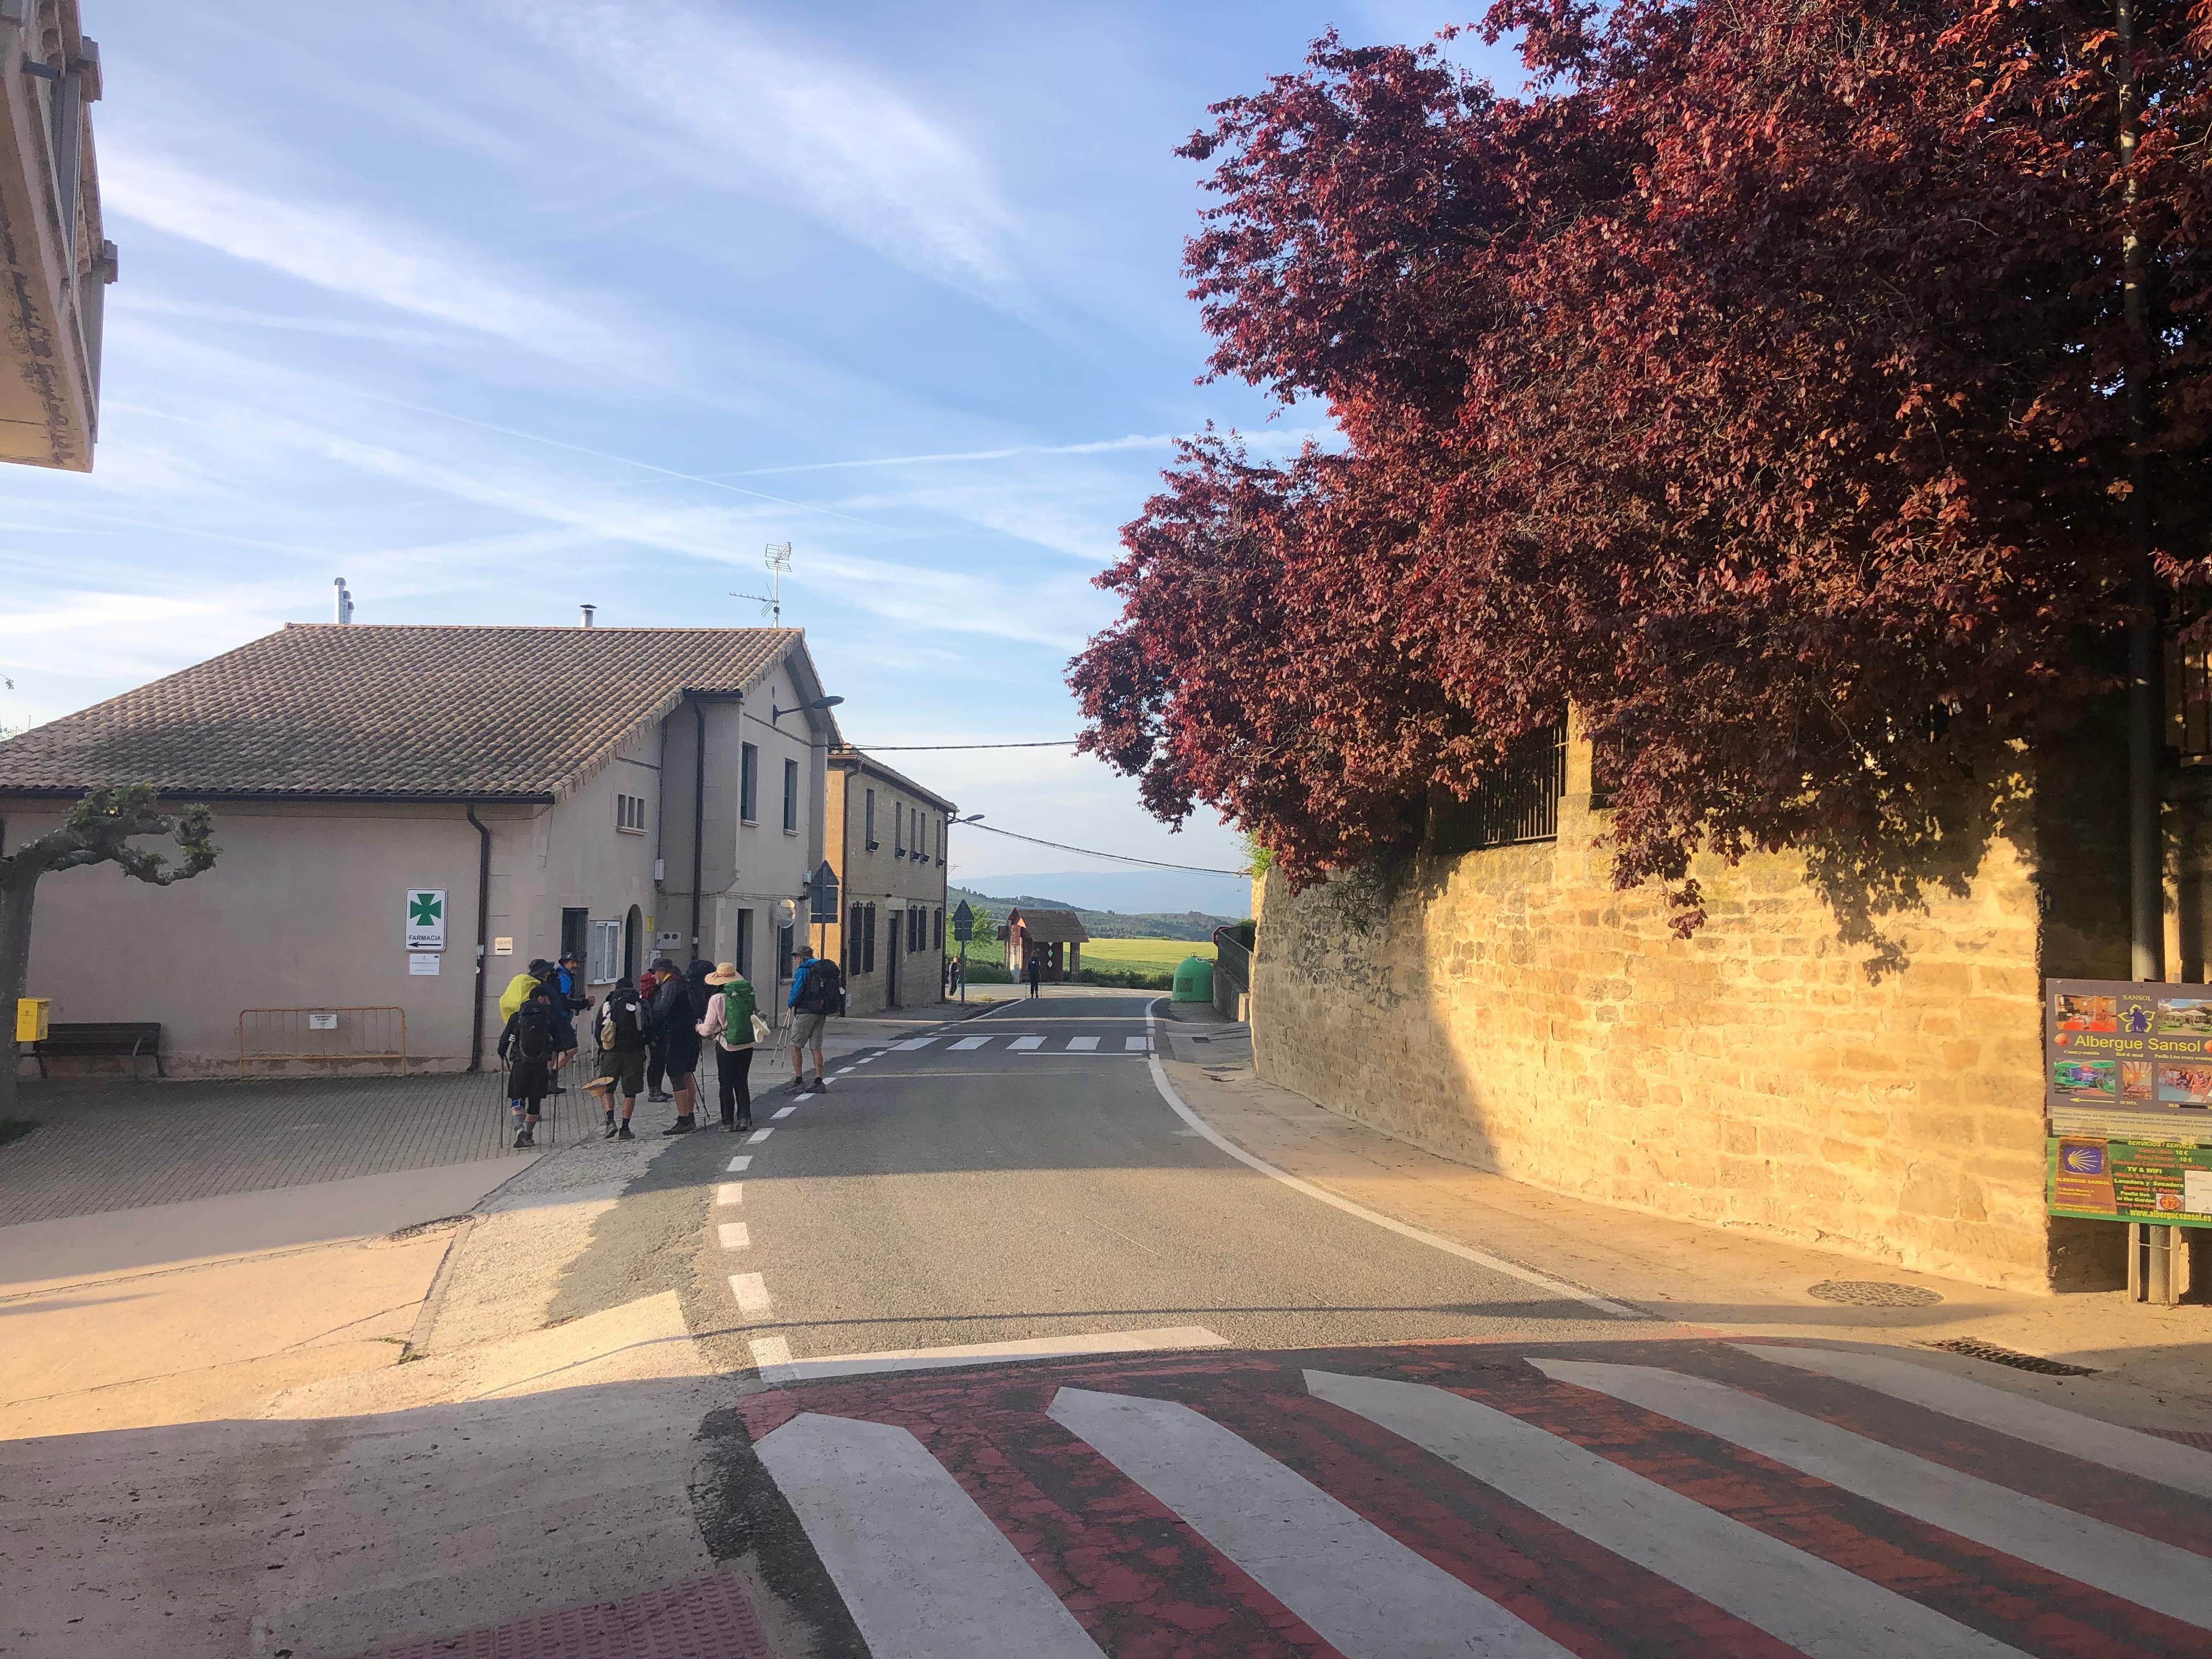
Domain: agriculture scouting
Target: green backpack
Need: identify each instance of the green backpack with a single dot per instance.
(737, 1006)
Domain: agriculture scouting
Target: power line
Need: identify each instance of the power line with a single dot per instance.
(911, 748)
(1119, 858)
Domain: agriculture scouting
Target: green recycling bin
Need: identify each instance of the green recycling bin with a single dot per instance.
(1193, 981)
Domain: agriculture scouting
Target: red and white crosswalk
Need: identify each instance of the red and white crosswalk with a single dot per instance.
(1689, 1498)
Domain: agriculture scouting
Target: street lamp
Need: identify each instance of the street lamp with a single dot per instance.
(775, 713)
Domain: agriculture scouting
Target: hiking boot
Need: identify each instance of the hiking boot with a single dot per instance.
(624, 1133)
(608, 1133)
(522, 1138)
(682, 1125)
(660, 1097)
(741, 1126)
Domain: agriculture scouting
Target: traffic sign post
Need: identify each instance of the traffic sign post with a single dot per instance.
(821, 902)
(963, 929)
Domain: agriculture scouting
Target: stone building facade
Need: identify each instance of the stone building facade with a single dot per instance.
(1882, 1098)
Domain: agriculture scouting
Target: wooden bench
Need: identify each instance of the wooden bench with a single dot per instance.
(119, 1038)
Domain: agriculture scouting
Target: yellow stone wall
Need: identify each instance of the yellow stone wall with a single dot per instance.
(1510, 1009)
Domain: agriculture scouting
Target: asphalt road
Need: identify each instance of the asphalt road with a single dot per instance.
(1271, 1426)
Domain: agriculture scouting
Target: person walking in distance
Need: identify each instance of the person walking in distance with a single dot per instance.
(1036, 972)
(656, 1051)
(678, 1005)
(734, 1026)
(817, 988)
(526, 1045)
(622, 1027)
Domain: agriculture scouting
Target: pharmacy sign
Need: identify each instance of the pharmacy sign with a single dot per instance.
(426, 918)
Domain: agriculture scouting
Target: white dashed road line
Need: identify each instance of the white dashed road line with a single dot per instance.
(759, 1135)
(751, 1291)
(738, 1166)
(730, 1192)
(770, 1350)
(786, 1111)
(735, 1236)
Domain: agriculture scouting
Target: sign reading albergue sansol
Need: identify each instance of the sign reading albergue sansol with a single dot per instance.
(2127, 1096)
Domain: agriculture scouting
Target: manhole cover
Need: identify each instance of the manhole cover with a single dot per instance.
(2020, 1362)
(1874, 1293)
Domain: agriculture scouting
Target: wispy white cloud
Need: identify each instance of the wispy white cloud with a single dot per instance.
(350, 251)
(843, 144)
(1101, 447)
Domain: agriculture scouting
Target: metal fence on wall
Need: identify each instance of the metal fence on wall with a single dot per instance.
(278, 1035)
(1519, 802)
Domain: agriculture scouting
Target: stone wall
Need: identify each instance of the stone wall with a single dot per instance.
(1510, 1008)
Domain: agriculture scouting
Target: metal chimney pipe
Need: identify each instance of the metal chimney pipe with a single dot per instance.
(341, 602)
(588, 614)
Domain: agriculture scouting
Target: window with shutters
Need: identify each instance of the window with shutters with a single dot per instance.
(603, 962)
(748, 783)
(791, 797)
(630, 814)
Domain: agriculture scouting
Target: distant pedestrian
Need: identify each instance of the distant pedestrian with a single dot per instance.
(525, 1043)
(621, 1026)
(944, 980)
(678, 1005)
(1036, 972)
(734, 1026)
(656, 1047)
(817, 990)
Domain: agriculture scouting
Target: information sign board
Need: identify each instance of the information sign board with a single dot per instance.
(426, 918)
(2128, 1100)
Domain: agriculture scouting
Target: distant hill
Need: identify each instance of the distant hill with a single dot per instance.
(1193, 925)
(1129, 892)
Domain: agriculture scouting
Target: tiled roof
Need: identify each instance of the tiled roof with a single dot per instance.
(844, 754)
(317, 709)
(1050, 926)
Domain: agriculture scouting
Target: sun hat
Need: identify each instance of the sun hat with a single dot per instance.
(724, 973)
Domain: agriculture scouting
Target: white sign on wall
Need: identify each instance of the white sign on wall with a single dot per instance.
(422, 962)
(322, 1022)
(503, 946)
(426, 919)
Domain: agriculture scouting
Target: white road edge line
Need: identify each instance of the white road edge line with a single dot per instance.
(735, 1235)
(1419, 1235)
(992, 1353)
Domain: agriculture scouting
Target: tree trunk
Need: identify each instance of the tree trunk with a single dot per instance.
(16, 897)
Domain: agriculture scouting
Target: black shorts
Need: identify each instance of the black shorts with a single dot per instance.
(627, 1067)
(682, 1053)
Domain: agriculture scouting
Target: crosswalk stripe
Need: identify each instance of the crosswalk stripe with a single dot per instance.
(1136, 1045)
(1810, 1603)
(923, 1571)
(969, 1043)
(2023, 1419)
(911, 1043)
(1081, 1045)
(1026, 1043)
(2175, 1582)
(1355, 1585)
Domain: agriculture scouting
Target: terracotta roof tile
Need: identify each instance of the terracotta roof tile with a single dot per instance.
(317, 709)
(1050, 926)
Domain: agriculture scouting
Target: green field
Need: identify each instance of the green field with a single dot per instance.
(1158, 956)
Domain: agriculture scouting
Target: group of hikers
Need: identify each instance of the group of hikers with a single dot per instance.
(654, 1032)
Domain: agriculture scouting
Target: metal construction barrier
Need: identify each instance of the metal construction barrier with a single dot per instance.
(325, 1034)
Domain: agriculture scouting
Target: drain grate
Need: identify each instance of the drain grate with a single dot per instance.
(1874, 1293)
(2018, 1362)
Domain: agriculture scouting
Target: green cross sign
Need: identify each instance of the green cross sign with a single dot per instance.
(426, 919)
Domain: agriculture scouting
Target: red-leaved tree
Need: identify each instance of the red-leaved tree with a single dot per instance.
(1763, 383)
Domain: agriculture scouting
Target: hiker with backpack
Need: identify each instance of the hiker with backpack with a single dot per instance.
(526, 1045)
(621, 1033)
(817, 991)
(656, 1051)
(678, 1005)
(734, 1022)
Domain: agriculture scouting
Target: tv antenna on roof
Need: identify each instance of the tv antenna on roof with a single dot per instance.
(778, 560)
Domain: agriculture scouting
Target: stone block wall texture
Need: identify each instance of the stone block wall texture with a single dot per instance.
(1510, 1009)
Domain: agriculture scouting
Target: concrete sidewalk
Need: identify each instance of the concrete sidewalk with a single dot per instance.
(2149, 1367)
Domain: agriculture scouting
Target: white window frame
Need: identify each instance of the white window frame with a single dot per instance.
(629, 813)
(602, 954)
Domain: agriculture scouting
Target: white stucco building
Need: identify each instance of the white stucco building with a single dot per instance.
(614, 791)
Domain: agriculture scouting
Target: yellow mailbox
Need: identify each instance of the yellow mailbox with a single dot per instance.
(31, 1018)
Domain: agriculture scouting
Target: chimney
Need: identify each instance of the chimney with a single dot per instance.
(341, 602)
(587, 614)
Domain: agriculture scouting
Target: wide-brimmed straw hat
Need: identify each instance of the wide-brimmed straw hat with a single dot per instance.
(724, 973)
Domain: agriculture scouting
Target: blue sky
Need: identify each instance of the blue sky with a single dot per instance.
(498, 306)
